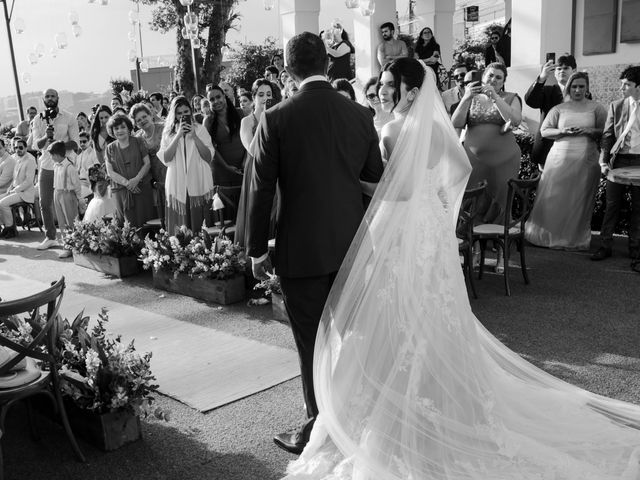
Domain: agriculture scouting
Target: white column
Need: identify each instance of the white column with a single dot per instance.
(299, 16)
(438, 15)
(367, 37)
(508, 10)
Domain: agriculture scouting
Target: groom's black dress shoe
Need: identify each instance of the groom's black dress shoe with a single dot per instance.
(293, 442)
(601, 254)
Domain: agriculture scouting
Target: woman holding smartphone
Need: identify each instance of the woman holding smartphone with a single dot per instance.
(187, 151)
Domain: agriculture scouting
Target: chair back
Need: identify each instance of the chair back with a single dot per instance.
(52, 298)
(469, 210)
(519, 194)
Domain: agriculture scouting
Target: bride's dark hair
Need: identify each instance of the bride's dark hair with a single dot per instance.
(404, 70)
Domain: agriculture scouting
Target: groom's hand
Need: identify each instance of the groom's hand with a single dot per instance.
(261, 270)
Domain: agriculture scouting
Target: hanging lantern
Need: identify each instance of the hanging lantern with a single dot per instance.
(132, 36)
(193, 35)
(104, 2)
(351, 3)
(33, 58)
(131, 55)
(61, 40)
(18, 25)
(190, 19)
(195, 42)
(185, 33)
(186, 3)
(269, 4)
(76, 30)
(144, 66)
(192, 29)
(53, 51)
(133, 17)
(26, 77)
(39, 50)
(73, 17)
(367, 7)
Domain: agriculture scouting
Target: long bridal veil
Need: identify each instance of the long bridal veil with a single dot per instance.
(409, 384)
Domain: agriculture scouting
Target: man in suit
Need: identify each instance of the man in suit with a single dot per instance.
(317, 146)
(620, 147)
(545, 93)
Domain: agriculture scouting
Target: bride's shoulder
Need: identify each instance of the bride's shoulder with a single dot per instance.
(389, 135)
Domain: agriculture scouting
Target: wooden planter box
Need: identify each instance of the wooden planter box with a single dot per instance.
(277, 307)
(116, 266)
(107, 431)
(223, 292)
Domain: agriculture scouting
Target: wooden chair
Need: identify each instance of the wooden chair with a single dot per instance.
(46, 379)
(519, 194)
(466, 220)
(28, 219)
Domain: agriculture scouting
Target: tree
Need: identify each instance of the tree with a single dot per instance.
(250, 61)
(215, 19)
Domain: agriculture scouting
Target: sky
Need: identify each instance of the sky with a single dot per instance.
(101, 51)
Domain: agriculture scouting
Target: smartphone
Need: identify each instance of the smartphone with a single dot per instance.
(476, 76)
(269, 103)
(187, 119)
(551, 57)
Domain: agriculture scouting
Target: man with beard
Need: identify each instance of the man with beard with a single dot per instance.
(390, 48)
(453, 96)
(21, 189)
(51, 125)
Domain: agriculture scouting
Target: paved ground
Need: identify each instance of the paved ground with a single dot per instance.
(578, 320)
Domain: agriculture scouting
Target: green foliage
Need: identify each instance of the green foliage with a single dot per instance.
(119, 84)
(470, 50)
(249, 61)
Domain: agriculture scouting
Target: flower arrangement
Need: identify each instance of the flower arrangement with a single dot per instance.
(196, 255)
(102, 238)
(101, 374)
(270, 285)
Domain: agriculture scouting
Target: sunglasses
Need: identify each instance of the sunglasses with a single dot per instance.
(460, 75)
(18, 148)
(82, 142)
(371, 96)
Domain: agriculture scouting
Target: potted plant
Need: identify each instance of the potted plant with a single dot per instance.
(104, 246)
(196, 265)
(271, 287)
(107, 384)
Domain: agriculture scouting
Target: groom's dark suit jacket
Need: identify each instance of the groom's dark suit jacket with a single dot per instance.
(317, 146)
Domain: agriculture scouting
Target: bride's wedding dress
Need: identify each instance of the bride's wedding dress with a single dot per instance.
(409, 384)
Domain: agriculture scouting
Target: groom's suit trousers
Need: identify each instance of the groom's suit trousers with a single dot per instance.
(304, 299)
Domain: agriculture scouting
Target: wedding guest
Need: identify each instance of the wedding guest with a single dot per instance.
(151, 132)
(67, 189)
(620, 147)
(51, 125)
(495, 51)
(452, 97)
(427, 49)
(187, 151)
(100, 137)
(380, 117)
(101, 205)
(228, 91)
(116, 102)
(127, 163)
(196, 100)
(390, 48)
(339, 50)
(166, 101)
(290, 88)
(284, 77)
(561, 215)
(84, 162)
(246, 103)
(83, 122)
(545, 93)
(261, 91)
(344, 87)
(7, 165)
(22, 187)
(159, 108)
(205, 108)
(224, 127)
(278, 62)
(272, 74)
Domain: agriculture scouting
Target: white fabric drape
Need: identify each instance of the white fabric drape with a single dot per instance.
(410, 386)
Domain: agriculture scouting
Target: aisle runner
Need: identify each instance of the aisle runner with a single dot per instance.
(199, 366)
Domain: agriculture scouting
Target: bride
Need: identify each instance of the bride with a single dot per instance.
(409, 384)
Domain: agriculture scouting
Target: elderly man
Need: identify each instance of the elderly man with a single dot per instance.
(7, 164)
(390, 48)
(51, 125)
(452, 96)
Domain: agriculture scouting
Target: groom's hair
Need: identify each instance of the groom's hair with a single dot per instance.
(404, 70)
(306, 56)
(632, 74)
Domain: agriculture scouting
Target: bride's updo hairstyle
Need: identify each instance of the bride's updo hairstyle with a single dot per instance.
(404, 70)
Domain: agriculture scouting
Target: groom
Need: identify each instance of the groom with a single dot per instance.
(316, 147)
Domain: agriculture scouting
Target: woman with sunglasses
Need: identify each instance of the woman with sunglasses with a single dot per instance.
(380, 117)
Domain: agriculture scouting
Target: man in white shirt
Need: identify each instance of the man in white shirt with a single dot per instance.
(452, 96)
(390, 48)
(7, 164)
(620, 147)
(51, 125)
(84, 162)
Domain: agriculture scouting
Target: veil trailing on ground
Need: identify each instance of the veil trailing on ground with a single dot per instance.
(409, 384)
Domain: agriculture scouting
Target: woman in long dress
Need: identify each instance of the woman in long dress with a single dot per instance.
(409, 384)
(561, 216)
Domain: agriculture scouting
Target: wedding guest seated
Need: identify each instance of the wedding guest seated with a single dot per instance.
(380, 117)
(452, 97)
(127, 163)
(188, 190)
(561, 215)
(22, 187)
(7, 165)
(84, 162)
(344, 87)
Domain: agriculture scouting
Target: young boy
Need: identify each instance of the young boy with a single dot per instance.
(85, 160)
(66, 188)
